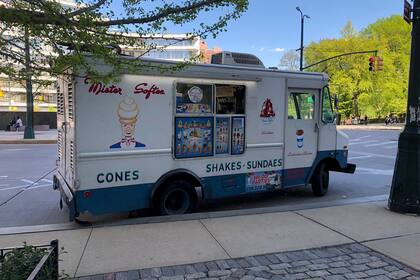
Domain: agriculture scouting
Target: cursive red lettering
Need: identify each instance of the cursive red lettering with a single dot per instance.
(143, 89)
(99, 88)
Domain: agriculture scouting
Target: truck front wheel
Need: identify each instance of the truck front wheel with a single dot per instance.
(320, 180)
(178, 198)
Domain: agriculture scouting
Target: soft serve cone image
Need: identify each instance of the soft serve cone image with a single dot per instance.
(299, 138)
(128, 113)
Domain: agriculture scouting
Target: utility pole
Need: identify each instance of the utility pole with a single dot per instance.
(302, 23)
(405, 189)
(29, 126)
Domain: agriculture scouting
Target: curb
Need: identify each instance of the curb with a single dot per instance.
(29, 141)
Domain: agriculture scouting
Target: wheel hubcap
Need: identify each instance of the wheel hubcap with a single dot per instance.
(176, 202)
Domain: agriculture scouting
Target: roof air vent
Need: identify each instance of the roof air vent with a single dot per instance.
(237, 59)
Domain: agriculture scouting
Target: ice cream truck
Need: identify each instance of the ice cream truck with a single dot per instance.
(166, 140)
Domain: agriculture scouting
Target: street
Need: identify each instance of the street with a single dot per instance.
(26, 200)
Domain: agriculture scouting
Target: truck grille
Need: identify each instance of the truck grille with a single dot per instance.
(70, 97)
(72, 157)
(60, 102)
(60, 143)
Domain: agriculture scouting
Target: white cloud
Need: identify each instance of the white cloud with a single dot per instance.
(278, 50)
(262, 49)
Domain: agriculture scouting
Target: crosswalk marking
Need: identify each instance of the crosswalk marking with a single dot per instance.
(21, 187)
(27, 181)
(373, 171)
(359, 157)
(373, 155)
(365, 142)
(360, 138)
(47, 180)
(380, 144)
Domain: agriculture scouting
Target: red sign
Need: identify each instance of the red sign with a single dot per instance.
(147, 90)
(100, 88)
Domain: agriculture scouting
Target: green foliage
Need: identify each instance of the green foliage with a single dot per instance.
(19, 263)
(95, 27)
(361, 92)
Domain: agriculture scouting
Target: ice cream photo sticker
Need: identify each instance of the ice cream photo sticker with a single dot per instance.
(299, 138)
(127, 112)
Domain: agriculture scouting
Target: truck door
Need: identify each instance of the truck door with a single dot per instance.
(301, 135)
(327, 127)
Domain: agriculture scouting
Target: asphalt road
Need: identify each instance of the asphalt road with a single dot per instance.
(26, 201)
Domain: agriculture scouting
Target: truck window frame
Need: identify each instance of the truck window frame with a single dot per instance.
(298, 104)
(326, 90)
(213, 115)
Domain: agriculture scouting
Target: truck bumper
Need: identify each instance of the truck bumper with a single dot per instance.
(66, 194)
(350, 169)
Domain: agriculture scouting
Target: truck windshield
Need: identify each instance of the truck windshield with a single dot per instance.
(327, 111)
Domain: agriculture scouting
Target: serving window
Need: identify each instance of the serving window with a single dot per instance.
(209, 120)
(194, 98)
(230, 99)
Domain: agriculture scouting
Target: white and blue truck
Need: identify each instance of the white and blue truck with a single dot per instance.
(167, 140)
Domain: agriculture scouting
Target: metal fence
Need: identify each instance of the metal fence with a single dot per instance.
(48, 262)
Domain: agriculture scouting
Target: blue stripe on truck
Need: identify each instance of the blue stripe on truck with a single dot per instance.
(133, 197)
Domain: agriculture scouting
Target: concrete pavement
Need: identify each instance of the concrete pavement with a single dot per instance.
(16, 137)
(102, 250)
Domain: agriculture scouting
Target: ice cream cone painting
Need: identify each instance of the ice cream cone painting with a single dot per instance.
(128, 112)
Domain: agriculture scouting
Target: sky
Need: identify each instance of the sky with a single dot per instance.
(270, 27)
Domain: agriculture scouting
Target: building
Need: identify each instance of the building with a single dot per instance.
(177, 47)
(13, 93)
(206, 53)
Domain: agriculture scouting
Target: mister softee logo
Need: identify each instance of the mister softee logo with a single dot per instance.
(100, 88)
(146, 89)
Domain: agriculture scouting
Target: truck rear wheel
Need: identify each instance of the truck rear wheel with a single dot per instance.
(320, 180)
(178, 198)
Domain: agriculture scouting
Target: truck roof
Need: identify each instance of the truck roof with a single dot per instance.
(217, 71)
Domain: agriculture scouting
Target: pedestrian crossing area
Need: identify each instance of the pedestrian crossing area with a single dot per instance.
(367, 142)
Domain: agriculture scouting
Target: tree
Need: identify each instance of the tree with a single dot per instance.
(290, 61)
(98, 27)
(361, 92)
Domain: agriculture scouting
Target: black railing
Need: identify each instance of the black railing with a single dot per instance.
(47, 265)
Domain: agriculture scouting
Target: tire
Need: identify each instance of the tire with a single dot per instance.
(320, 180)
(178, 198)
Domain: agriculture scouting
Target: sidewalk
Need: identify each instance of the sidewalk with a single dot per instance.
(41, 137)
(371, 127)
(366, 239)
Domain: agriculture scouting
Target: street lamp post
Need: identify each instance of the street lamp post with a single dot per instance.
(405, 189)
(302, 19)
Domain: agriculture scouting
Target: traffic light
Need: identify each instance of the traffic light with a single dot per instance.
(379, 63)
(407, 12)
(372, 63)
